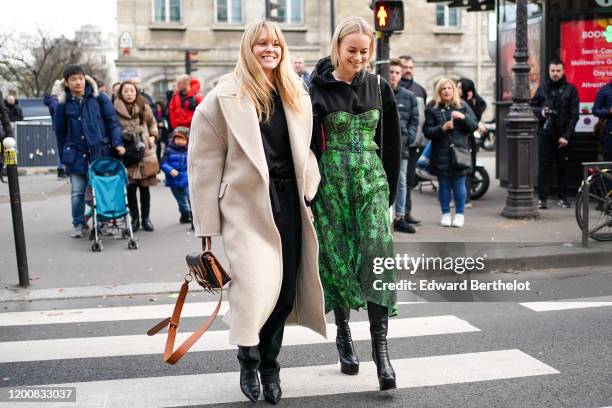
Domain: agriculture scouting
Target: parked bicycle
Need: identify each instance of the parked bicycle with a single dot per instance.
(599, 201)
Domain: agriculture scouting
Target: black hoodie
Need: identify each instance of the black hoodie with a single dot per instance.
(329, 95)
(562, 97)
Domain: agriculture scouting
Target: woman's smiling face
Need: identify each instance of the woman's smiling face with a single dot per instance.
(354, 52)
(267, 51)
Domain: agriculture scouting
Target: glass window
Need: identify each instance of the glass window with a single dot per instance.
(447, 16)
(175, 10)
(160, 10)
(289, 11)
(167, 11)
(229, 11)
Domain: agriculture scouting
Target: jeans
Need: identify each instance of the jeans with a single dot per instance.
(181, 194)
(413, 156)
(607, 146)
(457, 186)
(78, 185)
(400, 199)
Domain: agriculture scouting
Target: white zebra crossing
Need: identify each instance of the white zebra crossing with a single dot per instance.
(90, 347)
(569, 304)
(107, 314)
(309, 381)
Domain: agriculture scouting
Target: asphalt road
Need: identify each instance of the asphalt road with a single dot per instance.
(471, 354)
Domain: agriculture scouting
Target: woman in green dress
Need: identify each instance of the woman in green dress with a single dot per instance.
(356, 138)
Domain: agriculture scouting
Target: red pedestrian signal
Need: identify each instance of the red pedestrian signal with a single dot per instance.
(389, 15)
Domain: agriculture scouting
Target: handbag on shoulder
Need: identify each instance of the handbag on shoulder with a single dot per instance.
(208, 272)
(461, 158)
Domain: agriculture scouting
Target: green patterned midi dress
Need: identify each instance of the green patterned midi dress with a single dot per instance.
(352, 214)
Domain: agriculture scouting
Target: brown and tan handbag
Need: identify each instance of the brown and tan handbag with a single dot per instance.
(207, 271)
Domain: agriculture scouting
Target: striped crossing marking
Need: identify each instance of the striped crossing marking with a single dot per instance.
(89, 347)
(107, 314)
(308, 381)
(568, 304)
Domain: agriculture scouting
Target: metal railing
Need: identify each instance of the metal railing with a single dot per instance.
(585, 191)
(36, 144)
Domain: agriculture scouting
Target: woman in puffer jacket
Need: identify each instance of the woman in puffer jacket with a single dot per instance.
(139, 132)
(447, 119)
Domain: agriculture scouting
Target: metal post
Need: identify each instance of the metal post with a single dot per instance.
(382, 54)
(332, 14)
(10, 159)
(521, 127)
(585, 206)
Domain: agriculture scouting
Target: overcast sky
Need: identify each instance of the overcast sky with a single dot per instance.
(57, 16)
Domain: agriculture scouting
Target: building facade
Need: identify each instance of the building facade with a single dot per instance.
(155, 34)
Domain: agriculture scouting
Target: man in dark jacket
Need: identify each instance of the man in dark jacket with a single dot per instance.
(602, 108)
(408, 78)
(14, 110)
(408, 110)
(555, 104)
(87, 129)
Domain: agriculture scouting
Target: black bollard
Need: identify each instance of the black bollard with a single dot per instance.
(10, 160)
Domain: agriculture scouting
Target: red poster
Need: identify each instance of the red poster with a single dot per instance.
(587, 55)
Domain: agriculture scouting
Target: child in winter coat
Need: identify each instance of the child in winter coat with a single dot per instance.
(174, 165)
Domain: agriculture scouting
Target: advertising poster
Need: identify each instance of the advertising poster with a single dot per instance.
(586, 51)
(508, 46)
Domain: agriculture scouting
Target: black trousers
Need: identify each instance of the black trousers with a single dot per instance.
(413, 156)
(145, 199)
(286, 209)
(552, 160)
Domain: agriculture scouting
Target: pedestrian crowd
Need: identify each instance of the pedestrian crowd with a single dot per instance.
(304, 207)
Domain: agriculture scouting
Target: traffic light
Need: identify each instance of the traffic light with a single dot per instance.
(190, 58)
(270, 8)
(389, 15)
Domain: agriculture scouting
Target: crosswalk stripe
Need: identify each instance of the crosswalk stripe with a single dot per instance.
(564, 305)
(89, 347)
(309, 381)
(107, 314)
(110, 314)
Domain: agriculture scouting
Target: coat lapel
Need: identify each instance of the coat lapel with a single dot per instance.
(241, 117)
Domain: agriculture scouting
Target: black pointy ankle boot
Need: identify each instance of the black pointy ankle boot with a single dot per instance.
(272, 392)
(379, 320)
(249, 378)
(349, 363)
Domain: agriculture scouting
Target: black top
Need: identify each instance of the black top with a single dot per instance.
(276, 143)
(329, 95)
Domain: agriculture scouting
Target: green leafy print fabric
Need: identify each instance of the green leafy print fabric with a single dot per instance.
(351, 214)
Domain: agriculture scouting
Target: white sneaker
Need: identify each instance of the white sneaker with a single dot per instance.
(445, 221)
(77, 231)
(458, 221)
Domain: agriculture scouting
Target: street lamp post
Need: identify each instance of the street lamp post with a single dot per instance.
(521, 128)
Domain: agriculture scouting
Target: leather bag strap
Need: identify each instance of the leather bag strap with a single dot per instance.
(171, 356)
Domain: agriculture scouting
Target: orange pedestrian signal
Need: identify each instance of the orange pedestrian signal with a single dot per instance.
(389, 15)
(381, 15)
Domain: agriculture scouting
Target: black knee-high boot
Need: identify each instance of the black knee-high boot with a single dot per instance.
(349, 363)
(249, 359)
(379, 320)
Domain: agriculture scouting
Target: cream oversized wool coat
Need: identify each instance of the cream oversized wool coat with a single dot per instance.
(229, 188)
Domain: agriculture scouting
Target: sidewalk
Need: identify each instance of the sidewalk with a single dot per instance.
(58, 262)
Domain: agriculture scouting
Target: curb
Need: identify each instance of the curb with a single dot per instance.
(513, 259)
(19, 294)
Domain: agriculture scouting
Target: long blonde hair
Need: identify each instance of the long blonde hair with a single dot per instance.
(253, 80)
(456, 102)
(348, 26)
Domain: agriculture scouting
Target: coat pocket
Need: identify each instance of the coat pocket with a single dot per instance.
(69, 155)
(222, 189)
